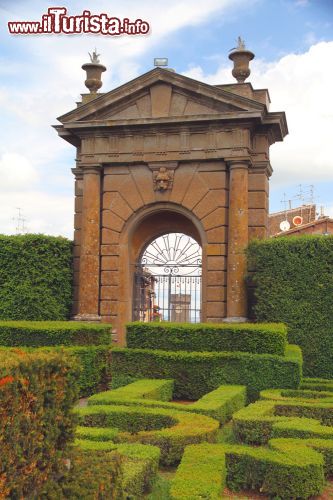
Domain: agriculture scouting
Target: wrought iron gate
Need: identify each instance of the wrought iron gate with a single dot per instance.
(167, 285)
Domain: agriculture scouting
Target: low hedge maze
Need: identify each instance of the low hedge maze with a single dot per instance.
(293, 459)
(290, 429)
(281, 444)
(171, 431)
(219, 404)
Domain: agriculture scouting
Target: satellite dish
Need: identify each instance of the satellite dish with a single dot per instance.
(284, 225)
(297, 220)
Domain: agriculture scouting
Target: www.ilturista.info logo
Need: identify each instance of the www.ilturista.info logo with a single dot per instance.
(57, 22)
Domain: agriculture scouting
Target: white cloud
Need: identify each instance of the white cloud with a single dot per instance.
(47, 80)
(43, 213)
(16, 172)
(300, 85)
(41, 78)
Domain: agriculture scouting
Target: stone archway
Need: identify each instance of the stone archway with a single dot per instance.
(147, 226)
(167, 284)
(161, 154)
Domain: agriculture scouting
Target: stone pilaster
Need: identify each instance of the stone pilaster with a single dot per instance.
(89, 274)
(237, 240)
(77, 236)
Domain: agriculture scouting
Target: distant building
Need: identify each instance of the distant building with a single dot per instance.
(180, 307)
(298, 221)
(306, 212)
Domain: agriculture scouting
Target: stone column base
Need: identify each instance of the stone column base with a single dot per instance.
(235, 319)
(93, 318)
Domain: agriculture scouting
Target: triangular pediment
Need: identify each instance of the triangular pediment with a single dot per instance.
(161, 94)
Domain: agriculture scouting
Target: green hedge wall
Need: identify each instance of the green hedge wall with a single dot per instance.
(138, 469)
(35, 277)
(93, 475)
(196, 373)
(50, 333)
(285, 471)
(245, 337)
(37, 392)
(156, 393)
(293, 280)
(94, 366)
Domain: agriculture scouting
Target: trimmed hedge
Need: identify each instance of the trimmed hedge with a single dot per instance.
(293, 280)
(305, 396)
(323, 446)
(146, 389)
(263, 420)
(171, 431)
(196, 373)
(92, 475)
(37, 391)
(50, 333)
(95, 363)
(317, 384)
(219, 404)
(243, 337)
(289, 472)
(200, 474)
(35, 277)
(139, 465)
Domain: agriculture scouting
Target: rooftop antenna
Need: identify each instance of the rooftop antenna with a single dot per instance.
(20, 221)
(306, 194)
(306, 197)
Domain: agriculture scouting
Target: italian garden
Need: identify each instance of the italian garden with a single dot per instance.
(184, 410)
(172, 350)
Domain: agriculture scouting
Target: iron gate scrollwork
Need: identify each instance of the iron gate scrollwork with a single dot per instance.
(167, 285)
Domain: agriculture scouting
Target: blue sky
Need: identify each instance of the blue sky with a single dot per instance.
(41, 78)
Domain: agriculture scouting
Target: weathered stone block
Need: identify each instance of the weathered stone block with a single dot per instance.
(216, 263)
(215, 219)
(115, 202)
(258, 217)
(213, 199)
(216, 278)
(111, 221)
(110, 278)
(78, 203)
(108, 307)
(217, 235)
(110, 249)
(216, 249)
(109, 236)
(258, 182)
(258, 199)
(216, 293)
(109, 292)
(109, 263)
(216, 310)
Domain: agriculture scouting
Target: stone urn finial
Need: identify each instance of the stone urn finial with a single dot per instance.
(241, 58)
(94, 71)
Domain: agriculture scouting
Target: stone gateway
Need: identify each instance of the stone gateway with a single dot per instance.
(167, 154)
